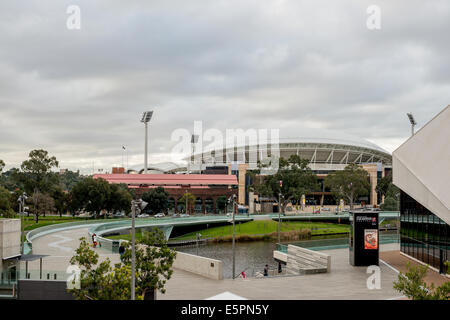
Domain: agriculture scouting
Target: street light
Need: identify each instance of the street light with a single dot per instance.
(234, 235)
(136, 205)
(194, 140)
(412, 121)
(146, 116)
(280, 196)
(22, 207)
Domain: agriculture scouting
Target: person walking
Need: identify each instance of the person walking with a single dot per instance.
(266, 270)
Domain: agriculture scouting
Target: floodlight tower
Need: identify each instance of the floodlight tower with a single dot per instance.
(146, 116)
(412, 121)
(194, 140)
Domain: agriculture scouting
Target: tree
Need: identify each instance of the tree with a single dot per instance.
(413, 285)
(92, 195)
(2, 165)
(350, 183)
(383, 184)
(69, 179)
(120, 198)
(221, 203)
(190, 201)
(100, 281)
(296, 177)
(12, 179)
(60, 197)
(5, 203)
(154, 260)
(37, 171)
(41, 204)
(158, 200)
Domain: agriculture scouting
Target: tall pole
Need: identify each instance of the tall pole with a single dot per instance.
(133, 251)
(21, 220)
(146, 147)
(279, 217)
(185, 195)
(233, 245)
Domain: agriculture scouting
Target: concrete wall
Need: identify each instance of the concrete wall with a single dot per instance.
(9, 238)
(209, 268)
(43, 290)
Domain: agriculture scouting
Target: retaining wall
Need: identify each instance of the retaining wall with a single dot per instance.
(206, 267)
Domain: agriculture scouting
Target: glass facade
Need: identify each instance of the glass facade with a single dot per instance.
(424, 236)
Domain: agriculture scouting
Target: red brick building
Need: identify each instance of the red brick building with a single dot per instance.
(206, 188)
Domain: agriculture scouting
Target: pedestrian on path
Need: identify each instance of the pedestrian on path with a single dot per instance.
(266, 270)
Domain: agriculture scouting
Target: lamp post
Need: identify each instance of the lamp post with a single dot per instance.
(21, 201)
(136, 205)
(412, 121)
(234, 236)
(280, 196)
(194, 140)
(146, 116)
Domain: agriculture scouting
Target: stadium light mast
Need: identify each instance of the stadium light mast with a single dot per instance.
(412, 121)
(194, 140)
(146, 116)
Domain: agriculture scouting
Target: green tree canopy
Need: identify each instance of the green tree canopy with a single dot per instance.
(5, 203)
(190, 201)
(36, 171)
(41, 204)
(412, 284)
(154, 260)
(158, 200)
(297, 179)
(221, 203)
(95, 195)
(100, 281)
(120, 198)
(349, 184)
(91, 195)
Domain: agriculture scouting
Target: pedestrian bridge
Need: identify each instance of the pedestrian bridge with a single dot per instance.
(123, 226)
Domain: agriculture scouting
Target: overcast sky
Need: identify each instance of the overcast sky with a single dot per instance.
(232, 64)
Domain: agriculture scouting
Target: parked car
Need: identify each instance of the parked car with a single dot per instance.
(184, 215)
(143, 215)
(160, 215)
(119, 214)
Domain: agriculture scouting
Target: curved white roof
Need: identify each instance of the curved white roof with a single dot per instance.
(307, 135)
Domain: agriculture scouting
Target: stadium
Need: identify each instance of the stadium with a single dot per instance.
(326, 150)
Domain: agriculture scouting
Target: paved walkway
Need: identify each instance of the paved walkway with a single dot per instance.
(343, 282)
(398, 261)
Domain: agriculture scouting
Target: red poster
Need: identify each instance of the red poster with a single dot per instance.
(370, 239)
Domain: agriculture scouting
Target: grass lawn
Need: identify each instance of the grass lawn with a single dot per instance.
(48, 220)
(257, 228)
(267, 226)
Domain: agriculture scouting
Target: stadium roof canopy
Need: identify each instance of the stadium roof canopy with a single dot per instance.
(325, 149)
